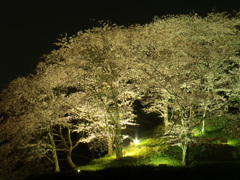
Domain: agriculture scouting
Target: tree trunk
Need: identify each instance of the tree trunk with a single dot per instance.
(165, 116)
(69, 159)
(109, 144)
(165, 111)
(203, 122)
(57, 168)
(69, 152)
(118, 141)
(118, 129)
(54, 151)
(203, 126)
(184, 153)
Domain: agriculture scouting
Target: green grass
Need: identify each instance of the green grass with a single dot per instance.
(233, 142)
(98, 164)
(214, 131)
(155, 152)
(148, 152)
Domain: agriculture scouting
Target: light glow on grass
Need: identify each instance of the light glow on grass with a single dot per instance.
(197, 132)
(233, 142)
(156, 161)
(148, 152)
(129, 154)
(230, 142)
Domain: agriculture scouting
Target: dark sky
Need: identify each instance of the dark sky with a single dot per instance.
(29, 29)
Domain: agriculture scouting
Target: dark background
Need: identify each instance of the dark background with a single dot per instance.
(29, 29)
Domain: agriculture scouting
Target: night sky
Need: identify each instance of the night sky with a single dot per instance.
(29, 29)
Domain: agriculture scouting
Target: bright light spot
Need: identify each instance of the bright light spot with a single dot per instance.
(233, 142)
(78, 171)
(136, 141)
(129, 154)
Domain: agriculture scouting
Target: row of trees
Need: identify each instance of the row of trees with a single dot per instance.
(184, 67)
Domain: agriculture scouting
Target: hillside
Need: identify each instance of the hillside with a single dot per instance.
(152, 157)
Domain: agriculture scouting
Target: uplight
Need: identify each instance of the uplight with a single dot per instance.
(136, 141)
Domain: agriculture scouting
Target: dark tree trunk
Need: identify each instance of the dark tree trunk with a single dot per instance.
(118, 141)
(54, 151)
(69, 159)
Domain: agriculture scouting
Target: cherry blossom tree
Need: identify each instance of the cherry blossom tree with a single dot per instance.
(22, 137)
(103, 54)
(192, 69)
(186, 66)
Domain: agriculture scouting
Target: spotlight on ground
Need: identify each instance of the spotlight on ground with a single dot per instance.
(136, 141)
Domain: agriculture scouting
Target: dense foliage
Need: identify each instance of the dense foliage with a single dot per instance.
(185, 68)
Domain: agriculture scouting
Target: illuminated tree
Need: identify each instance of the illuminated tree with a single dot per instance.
(61, 96)
(71, 94)
(192, 69)
(38, 113)
(22, 143)
(103, 54)
(186, 68)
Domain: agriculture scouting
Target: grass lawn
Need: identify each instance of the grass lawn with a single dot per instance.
(152, 158)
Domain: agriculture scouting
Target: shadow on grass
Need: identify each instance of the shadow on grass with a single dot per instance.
(224, 170)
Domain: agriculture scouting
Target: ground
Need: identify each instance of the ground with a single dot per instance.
(152, 158)
(226, 170)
